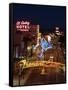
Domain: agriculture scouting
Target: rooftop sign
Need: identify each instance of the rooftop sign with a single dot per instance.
(22, 25)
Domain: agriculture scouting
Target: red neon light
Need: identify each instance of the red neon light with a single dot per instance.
(22, 25)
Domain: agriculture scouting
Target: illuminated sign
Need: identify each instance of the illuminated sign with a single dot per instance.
(22, 25)
(27, 64)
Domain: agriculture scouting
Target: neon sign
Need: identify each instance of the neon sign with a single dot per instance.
(22, 25)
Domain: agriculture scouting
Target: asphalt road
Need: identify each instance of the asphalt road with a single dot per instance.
(40, 76)
(50, 76)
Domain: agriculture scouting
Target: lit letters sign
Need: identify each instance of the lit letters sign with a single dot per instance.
(22, 25)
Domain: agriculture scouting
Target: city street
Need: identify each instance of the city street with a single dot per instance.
(41, 75)
(49, 77)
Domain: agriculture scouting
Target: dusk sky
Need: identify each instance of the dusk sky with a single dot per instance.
(46, 16)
